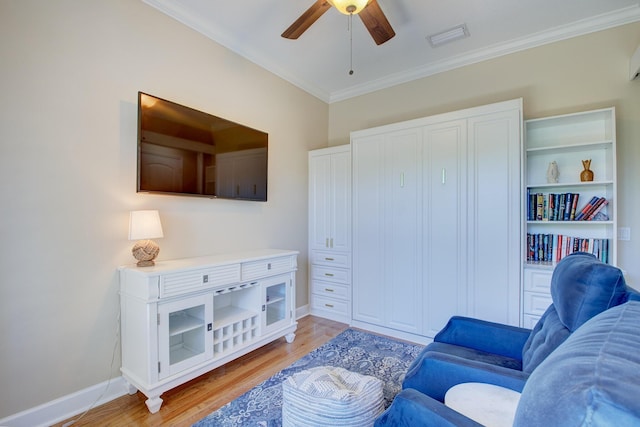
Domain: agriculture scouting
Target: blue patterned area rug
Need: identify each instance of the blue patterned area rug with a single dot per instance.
(357, 351)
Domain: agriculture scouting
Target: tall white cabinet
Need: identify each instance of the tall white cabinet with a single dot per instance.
(330, 232)
(436, 220)
(552, 230)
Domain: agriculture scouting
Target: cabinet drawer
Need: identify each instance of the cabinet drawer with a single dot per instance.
(332, 290)
(267, 267)
(328, 304)
(189, 281)
(330, 258)
(537, 280)
(339, 275)
(536, 304)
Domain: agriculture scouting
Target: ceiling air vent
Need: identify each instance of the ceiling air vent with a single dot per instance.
(452, 34)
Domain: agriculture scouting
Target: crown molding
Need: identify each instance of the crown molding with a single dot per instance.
(590, 25)
(184, 16)
(579, 28)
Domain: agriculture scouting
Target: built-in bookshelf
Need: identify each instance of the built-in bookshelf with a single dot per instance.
(565, 211)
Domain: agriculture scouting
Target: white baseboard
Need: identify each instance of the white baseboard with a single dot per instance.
(393, 333)
(68, 406)
(76, 403)
(302, 311)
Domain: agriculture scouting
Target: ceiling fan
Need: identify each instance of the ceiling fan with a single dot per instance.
(369, 11)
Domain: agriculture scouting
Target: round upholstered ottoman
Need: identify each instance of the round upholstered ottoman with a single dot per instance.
(329, 396)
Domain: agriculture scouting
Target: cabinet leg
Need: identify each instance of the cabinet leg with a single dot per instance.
(290, 337)
(154, 403)
(131, 390)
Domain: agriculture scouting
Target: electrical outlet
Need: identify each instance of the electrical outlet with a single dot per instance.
(624, 233)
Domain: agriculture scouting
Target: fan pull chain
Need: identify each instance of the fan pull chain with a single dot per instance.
(351, 44)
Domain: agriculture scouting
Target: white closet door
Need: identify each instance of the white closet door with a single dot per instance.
(320, 201)
(494, 216)
(444, 219)
(403, 183)
(368, 229)
(341, 202)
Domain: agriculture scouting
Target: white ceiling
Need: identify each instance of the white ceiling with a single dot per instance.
(318, 62)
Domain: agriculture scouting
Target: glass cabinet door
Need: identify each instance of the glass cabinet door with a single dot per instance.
(185, 334)
(276, 302)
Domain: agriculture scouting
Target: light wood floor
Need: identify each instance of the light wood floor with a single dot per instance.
(196, 399)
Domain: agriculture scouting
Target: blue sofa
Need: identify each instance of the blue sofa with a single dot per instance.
(591, 379)
(472, 350)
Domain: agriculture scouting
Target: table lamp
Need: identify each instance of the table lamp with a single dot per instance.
(144, 226)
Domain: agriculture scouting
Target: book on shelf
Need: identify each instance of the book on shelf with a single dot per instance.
(549, 249)
(587, 207)
(563, 207)
(597, 208)
(574, 206)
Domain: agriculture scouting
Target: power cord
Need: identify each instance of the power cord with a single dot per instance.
(113, 358)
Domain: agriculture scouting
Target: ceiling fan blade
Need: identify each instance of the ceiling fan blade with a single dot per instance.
(306, 19)
(373, 18)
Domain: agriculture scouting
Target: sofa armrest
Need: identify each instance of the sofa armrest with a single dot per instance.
(411, 408)
(495, 338)
(433, 373)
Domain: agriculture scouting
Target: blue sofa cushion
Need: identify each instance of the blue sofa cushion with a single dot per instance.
(581, 287)
(545, 337)
(584, 287)
(477, 355)
(410, 408)
(592, 379)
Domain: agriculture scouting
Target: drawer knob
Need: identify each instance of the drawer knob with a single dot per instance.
(328, 290)
(328, 274)
(329, 259)
(329, 305)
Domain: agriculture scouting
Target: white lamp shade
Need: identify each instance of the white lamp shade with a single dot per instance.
(145, 225)
(343, 5)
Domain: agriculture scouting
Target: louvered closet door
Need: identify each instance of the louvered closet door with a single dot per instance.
(444, 223)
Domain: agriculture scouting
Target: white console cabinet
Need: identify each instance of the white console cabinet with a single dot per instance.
(183, 318)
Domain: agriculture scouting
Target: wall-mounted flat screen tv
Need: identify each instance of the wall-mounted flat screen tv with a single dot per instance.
(183, 151)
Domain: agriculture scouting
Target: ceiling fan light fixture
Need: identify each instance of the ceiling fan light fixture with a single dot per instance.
(349, 7)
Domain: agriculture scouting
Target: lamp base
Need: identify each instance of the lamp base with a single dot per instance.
(145, 251)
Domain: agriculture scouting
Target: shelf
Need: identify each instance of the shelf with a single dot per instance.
(594, 222)
(180, 353)
(275, 300)
(228, 315)
(540, 265)
(570, 148)
(181, 322)
(573, 185)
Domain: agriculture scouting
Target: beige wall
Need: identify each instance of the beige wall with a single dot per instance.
(70, 75)
(583, 73)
